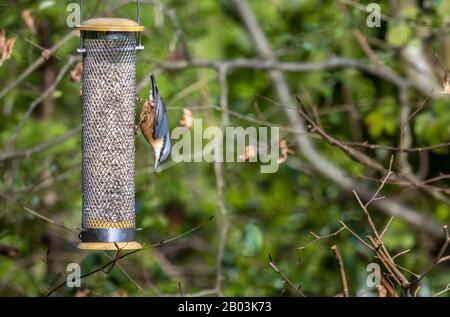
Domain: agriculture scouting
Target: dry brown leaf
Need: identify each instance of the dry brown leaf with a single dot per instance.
(8, 250)
(446, 85)
(2, 40)
(7, 49)
(28, 19)
(120, 293)
(82, 292)
(187, 119)
(284, 151)
(249, 152)
(382, 292)
(76, 73)
(46, 54)
(49, 199)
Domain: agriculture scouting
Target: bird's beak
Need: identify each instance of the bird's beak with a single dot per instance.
(156, 166)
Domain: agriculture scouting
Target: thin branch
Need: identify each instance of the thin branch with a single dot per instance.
(340, 262)
(39, 100)
(446, 289)
(19, 154)
(103, 267)
(61, 225)
(37, 63)
(415, 218)
(397, 149)
(438, 260)
(264, 64)
(8, 251)
(378, 244)
(400, 254)
(357, 236)
(269, 63)
(298, 289)
(386, 227)
(223, 221)
(318, 238)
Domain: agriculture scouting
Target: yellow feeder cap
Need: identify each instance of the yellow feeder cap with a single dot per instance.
(111, 246)
(110, 25)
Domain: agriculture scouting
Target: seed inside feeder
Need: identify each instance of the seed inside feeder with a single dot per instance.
(109, 90)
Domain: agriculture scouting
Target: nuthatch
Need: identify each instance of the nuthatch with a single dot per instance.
(155, 125)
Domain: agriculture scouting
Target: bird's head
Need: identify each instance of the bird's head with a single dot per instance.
(162, 151)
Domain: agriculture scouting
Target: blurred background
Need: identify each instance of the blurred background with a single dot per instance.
(378, 91)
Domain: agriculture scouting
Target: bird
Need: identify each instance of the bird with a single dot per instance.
(154, 124)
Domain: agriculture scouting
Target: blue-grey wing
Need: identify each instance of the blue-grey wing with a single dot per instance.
(161, 126)
(161, 123)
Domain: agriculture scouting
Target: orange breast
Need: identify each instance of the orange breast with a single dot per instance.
(147, 119)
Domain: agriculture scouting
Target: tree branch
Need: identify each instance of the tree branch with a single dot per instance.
(323, 166)
(340, 262)
(41, 60)
(5, 156)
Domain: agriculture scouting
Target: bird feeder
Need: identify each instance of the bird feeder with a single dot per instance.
(108, 47)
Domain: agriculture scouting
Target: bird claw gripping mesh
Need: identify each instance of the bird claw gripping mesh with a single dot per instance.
(109, 95)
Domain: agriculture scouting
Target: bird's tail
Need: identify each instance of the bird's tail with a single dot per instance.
(154, 91)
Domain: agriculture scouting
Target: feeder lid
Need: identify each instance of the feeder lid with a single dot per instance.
(110, 25)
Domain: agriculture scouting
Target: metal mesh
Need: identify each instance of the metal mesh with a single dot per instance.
(109, 93)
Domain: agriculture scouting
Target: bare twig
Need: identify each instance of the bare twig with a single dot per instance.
(264, 64)
(223, 221)
(357, 236)
(440, 258)
(400, 254)
(298, 289)
(8, 251)
(372, 164)
(340, 262)
(36, 64)
(397, 149)
(386, 227)
(4, 156)
(446, 289)
(44, 95)
(61, 225)
(317, 237)
(120, 257)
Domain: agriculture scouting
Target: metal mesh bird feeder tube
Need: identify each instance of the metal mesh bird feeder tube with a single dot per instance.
(109, 48)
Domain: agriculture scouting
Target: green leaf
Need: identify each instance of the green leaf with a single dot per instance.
(422, 123)
(442, 212)
(443, 10)
(398, 35)
(45, 5)
(252, 240)
(375, 123)
(57, 94)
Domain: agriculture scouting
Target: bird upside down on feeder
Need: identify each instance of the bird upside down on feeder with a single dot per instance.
(154, 124)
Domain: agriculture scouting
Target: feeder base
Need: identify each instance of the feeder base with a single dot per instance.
(109, 246)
